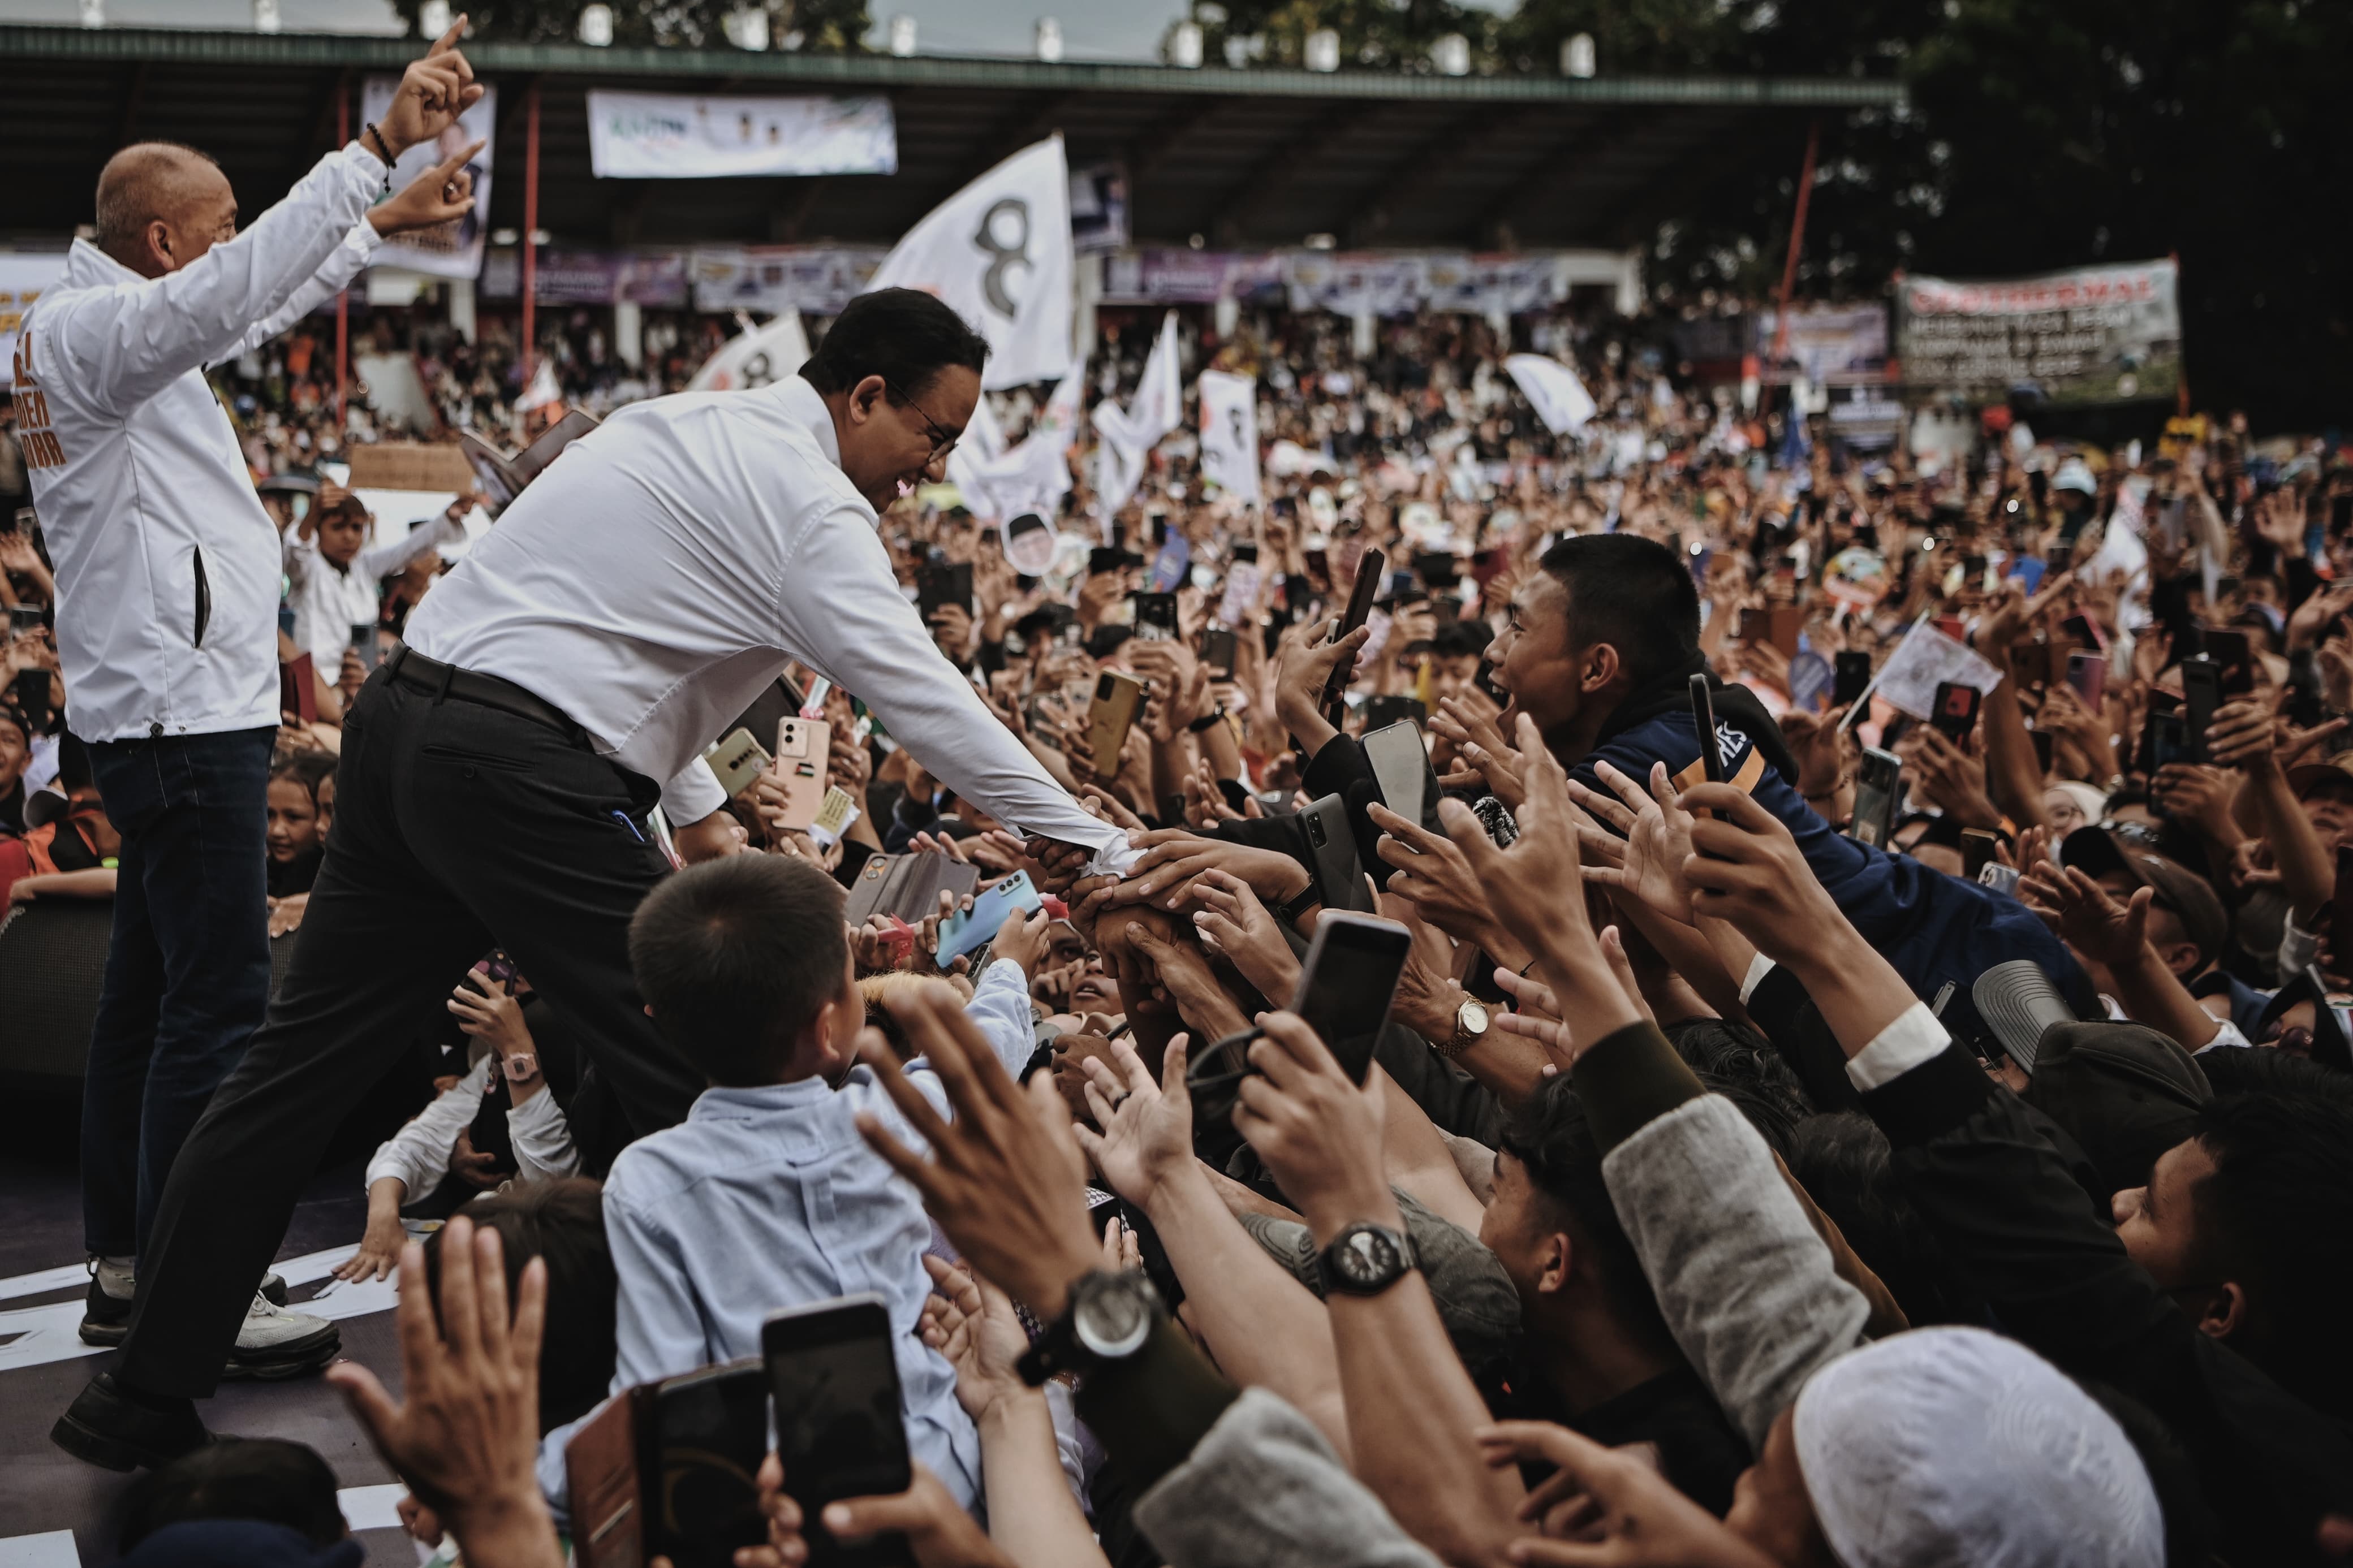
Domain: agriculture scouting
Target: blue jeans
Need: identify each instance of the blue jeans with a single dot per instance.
(187, 972)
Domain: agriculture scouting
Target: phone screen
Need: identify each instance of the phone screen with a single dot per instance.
(709, 1435)
(1156, 617)
(1401, 767)
(1956, 710)
(2340, 935)
(2088, 673)
(1977, 852)
(1217, 652)
(2228, 650)
(2202, 693)
(939, 586)
(1349, 980)
(839, 1431)
(1853, 680)
(1878, 782)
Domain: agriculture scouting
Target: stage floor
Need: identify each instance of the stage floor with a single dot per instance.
(57, 1512)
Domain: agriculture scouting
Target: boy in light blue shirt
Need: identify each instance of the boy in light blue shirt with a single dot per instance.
(766, 1196)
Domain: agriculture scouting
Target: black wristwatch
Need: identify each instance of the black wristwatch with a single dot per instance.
(1288, 912)
(1109, 1317)
(1366, 1259)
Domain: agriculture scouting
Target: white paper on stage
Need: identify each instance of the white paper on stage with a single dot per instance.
(1560, 399)
(452, 249)
(1229, 416)
(998, 252)
(756, 358)
(687, 136)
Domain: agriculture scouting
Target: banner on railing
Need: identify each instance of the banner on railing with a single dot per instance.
(2098, 334)
(680, 136)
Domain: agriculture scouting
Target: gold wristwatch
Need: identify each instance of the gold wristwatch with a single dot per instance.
(1470, 1028)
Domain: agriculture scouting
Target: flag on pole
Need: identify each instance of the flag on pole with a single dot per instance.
(1560, 399)
(1033, 474)
(755, 357)
(998, 252)
(1126, 436)
(1228, 417)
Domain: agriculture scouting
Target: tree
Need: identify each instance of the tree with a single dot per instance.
(827, 26)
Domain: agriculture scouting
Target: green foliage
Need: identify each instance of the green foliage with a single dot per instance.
(826, 26)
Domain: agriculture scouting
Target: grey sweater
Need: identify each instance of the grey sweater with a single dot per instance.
(1264, 1489)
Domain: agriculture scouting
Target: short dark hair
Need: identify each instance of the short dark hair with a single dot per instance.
(2274, 1217)
(1551, 1136)
(737, 956)
(903, 335)
(1631, 593)
(562, 1222)
(1846, 1165)
(269, 1480)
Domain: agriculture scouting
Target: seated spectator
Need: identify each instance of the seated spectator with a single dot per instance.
(296, 842)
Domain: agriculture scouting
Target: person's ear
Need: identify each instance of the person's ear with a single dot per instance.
(2180, 957)
(159, 245)
(865, 398)
(1599, 667)
(1555, 1263)
(2225, 1311)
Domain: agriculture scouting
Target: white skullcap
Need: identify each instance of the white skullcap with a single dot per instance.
(1958, 1448)
(2093, 803)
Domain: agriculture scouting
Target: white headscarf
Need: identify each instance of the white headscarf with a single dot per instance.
(1958, 1448)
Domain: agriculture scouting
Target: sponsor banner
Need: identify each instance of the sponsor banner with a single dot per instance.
(22, 280)
(2098, 334)
(773, 278)
(452, 249)
(1178, 277)
(681, 136)
(1353, 283)
(590, 277)
(1830, 345)
(1490, 285)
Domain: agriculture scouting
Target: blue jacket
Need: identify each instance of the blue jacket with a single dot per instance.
(1933, 928)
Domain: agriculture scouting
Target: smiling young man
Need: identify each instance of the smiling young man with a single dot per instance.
(1599, 650)
(498, 770)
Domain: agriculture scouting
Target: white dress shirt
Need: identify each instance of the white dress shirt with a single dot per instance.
(167, 567)
(328, 600)
(656, 578)
(419, 1153)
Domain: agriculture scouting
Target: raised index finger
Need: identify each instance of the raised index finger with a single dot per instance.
(448, 41)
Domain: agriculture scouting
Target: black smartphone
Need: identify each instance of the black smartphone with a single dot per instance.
(1155, 617)
(709, 1432)
(1400, 764)
(1703, 702)
(1851, 679)
(1977, 852)
(1332, 845)
(1360, 605)
(1382, 712)
(1217, 652)
(2229, 651)
(840, 1430)
(1348, 981)
(2078, 629)
(2202, 693)
(2164, 738)
(1956, 710)
(366, 644)
(2041, 741)
(1878, 791)
(1245, 551)
(31, 689)
(940, 583)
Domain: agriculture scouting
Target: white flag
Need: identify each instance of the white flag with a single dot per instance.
(998, 252)
(757, 357)
(1126, 436)
(1033, 474)
(1560, 399)
(541, 391)
(1228, 417)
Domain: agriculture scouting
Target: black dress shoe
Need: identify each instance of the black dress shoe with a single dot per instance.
(105, 1319)
(108, 1424)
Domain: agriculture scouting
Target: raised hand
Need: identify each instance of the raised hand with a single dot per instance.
(1603, 1508)
(973, 1324)
(1234, 924)
(442, 193)
(1147, 1127)
(433, 92)
(1437, 876)
(1745, 869)
(2085, 917)
(1649, 861)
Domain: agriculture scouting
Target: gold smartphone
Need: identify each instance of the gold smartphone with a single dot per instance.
(1117, 698)
(737, 760)
(801, 745)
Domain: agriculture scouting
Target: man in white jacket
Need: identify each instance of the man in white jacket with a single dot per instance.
(167, 589)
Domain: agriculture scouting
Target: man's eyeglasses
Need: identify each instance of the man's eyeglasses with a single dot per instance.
(944, 440)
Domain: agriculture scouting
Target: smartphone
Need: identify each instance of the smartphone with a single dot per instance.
(962, 933)
(2164, 738)
(32, 691)
(840, 1430)
(1332, 849)
(1117, 698)
(801, 745)
(1360, 605)
(2228, 650)
(2078, 629)
(2202, 693)
(1852, 678)
(1382, 712)
(1710, 754)
(1956, 710)
(364, 644)
(938, 584)
(24, 620)
(1878, 790)
(1400, 764)
(738, 760)
(1217, 652)
(1347, 982)
(1977, 852)
(2041, 741)
(298, 688)
(708, 1434)
(2088, 673)
(1436, 568)
(1155, 617)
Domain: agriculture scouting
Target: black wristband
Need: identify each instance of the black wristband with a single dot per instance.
(383, 149)
(1206, 722)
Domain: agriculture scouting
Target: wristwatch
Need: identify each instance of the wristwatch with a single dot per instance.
(1470, 1028)
(521, 1065)
(1288, 912)
(1366, 1259)
(1109, 1318)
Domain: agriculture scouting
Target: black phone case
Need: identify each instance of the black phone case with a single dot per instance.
(1338, 878)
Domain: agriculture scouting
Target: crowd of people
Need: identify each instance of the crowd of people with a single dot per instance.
(1877, 1132)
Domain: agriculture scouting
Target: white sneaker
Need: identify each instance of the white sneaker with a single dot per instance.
(276, 1342)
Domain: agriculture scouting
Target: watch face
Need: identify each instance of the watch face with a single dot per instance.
(1368, 1256)
(1114, 1318)
(1473, 1016)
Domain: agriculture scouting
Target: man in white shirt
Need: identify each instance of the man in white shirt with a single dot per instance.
(496, 773)
(167, 591)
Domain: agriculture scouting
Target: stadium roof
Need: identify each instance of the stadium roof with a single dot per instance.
(1254, 157)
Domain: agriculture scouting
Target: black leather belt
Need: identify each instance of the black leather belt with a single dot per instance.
(412, 669)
